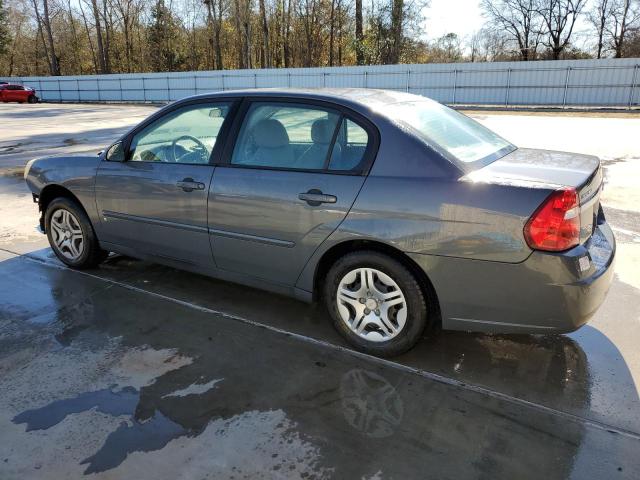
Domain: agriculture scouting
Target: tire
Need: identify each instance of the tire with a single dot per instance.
(32, 99)
(78, 247)
(388, 326)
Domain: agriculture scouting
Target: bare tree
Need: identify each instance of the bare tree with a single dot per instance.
(101, 51)
(598, 17)
(519, 19)
(128, 11)
(215, 10)
(559, 17)
(623, 15)
(89, 39)
(359, 34)
(5, 37)
(332, 31)
(44, 27)
(246, 31)
(266, 54)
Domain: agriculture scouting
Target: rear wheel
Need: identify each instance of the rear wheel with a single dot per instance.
(71, 234)
(376, 303)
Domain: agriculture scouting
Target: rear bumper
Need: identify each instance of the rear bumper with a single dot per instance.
(548, 292)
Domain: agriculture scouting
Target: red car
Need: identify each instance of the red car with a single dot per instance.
(17, 93)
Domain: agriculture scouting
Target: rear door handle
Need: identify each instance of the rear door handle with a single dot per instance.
(189, 185)
(315, 197)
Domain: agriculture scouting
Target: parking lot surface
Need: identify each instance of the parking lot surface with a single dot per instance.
(135, 370)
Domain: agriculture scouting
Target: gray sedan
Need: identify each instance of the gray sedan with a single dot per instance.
(398, 213)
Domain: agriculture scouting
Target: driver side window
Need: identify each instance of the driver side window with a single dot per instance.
(186, 135)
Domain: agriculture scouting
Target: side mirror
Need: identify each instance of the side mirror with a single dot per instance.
(115, 153)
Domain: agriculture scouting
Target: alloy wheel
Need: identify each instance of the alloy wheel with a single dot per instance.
(67, 234)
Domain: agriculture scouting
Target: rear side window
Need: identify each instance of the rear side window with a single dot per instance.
(350, 147)
(300, 137)
(284, 135)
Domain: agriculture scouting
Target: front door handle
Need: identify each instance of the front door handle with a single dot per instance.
(315, 197)
(189, 185)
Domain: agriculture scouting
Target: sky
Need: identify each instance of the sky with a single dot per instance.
(452, 16)
(464, 17)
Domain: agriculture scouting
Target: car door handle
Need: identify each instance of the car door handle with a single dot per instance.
(189, 185)
(315, 197)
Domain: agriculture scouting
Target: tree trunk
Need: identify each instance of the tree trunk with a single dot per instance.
(211, 64)
(340, 33)
(216, 36)
(239, 45)
(93, 51)
(397, 20)
(76, 41)
(266, 59)
(55, 66)
(332, 31)
(99, 40)
(287, 32)
(359, 35)
(107, 38)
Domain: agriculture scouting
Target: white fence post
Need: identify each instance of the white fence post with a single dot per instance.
(566, 87)
(506, 94)
(633, 85)
(455, 86)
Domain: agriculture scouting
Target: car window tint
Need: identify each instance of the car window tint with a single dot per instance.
(186, 135)
(284, 135)
(349, 149)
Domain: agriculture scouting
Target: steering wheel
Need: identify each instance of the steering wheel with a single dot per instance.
(200, 147)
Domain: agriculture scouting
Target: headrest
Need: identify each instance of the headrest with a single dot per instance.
(270, 133)
(321, 131)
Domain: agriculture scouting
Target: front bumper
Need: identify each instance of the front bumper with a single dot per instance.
(548, 292)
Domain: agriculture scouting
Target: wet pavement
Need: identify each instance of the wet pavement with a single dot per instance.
(135, 370)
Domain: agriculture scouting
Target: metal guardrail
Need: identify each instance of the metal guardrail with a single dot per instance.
(502, 90)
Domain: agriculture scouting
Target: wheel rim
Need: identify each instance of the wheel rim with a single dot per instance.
(66, 234)
(371, 304)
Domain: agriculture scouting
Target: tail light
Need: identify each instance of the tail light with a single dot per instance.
(555, 225)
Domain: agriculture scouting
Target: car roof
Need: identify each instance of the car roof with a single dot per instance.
(369, 98)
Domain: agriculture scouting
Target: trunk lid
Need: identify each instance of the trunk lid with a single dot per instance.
(534, 168)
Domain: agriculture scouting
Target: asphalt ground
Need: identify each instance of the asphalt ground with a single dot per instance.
(138, 370)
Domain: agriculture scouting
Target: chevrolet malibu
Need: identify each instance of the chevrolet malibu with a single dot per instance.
(398, 213)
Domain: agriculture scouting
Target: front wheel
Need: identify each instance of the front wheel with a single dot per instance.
(32, 99)
(71, 234)
(376, 303)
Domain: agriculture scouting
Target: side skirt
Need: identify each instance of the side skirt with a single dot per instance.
(225, 275)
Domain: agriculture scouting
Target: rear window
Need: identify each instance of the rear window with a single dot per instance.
(451, 132)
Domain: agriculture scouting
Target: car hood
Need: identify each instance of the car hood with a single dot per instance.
(539, 168)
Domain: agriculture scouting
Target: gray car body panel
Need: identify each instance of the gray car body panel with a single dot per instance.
(463, 229)
(75, 173)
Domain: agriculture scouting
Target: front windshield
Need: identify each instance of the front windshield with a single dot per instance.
(449, 131)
